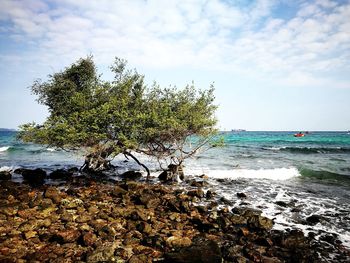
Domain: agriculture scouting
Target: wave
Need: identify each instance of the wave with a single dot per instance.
(324, 175)
(309, 150)
(272, 174)
(4, 148)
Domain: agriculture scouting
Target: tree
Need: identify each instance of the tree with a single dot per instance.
(123, 116)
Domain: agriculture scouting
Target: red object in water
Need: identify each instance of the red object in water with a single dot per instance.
(299, 134)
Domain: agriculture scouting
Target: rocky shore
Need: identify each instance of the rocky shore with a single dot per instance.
(88, 220)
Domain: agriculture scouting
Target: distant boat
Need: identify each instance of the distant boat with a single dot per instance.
(238, 130)
(299, 134)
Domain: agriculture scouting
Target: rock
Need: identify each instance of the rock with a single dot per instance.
(89, 239)
(36, 176)
(178, 242)
(138, 259)
(144, 227)
(103, 253)
(295, 239)
(226, 201)
(210, 194)
(118, 191)
(5, 175)
(241, 195)
(314, 219)
(131, 175)
(281, 203)
(202, 250)
(195, 183)
(61, 174)
(260, 222)
(30, 234)
(196, 193)
(54, 194)
(150, 201)
(73, 170)
(67, 236)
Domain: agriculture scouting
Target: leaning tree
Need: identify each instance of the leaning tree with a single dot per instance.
(123, 116)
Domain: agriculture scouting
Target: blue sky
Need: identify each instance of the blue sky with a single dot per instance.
(276, 65)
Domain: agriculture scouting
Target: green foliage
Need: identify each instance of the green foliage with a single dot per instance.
(109, 118)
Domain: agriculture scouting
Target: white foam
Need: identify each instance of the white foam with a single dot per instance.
(5, 168)
(50, 149)
(273, 174)
(4, 148)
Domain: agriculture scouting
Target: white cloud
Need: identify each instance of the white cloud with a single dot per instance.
(198, 33)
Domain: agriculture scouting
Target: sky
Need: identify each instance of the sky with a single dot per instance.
(275, 65)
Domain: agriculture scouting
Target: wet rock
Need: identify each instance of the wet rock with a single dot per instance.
(61, 174)
(195, 183)
(131, 175)
(210, 194)
(260, 222)
(36, 176)
(202, 250)
(5, 175)
(196, 193)
(73, 170)
(295, 239)
(225, 201)
(314, 219)
(241, 195)
(281, 203)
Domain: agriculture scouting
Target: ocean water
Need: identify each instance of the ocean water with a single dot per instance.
(288, 178)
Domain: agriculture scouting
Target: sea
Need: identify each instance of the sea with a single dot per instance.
(288, 178)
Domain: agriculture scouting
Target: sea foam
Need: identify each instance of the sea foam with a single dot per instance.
(4, 148)
(273, 174)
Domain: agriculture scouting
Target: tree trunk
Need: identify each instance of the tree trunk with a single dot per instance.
(139, 163)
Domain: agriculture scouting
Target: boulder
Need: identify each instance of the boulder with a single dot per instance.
(36, 176)
(314, 219)
(61, 174)
(131, 175)
(5, 175)
(241, 195)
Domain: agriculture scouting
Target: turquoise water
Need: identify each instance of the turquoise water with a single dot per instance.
(311, 173)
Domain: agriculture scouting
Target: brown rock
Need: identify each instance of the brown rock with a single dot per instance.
(196, 193)
(89, 239)
(54, 194)
(68, 236)
(30, 234)
(178, 242)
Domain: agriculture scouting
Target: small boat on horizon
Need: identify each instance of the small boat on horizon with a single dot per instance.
(299, 134)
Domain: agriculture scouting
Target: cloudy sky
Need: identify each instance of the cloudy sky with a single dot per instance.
(276, 65)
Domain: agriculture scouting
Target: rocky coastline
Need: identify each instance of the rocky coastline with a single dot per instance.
(90, 219)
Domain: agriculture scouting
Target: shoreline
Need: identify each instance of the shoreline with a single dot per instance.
(88, 220)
